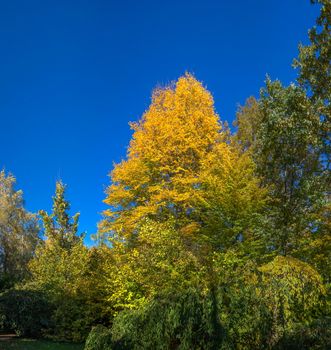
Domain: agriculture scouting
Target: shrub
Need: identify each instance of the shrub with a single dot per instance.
(175, 321)
(315, 336)
(25, 312)
(99, 339)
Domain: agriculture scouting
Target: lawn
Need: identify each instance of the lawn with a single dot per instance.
(30, 344)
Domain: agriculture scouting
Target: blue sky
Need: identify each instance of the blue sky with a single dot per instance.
(74, 73)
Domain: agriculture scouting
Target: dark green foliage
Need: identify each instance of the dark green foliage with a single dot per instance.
(246, 318)
(315, 336)
(71, 321)
(314, 63)
(33, 344)
(287, 157)
(172, 321)
(99, 339)
(314, 59)
(27, 313)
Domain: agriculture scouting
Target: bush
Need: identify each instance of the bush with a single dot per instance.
(246, 318)
(25, 312)
(176, 321)
(99, 339)
(316, 335)
(71, 321)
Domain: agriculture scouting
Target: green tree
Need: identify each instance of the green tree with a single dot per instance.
(285, 146)
(19, 233)
(230, 199)
(64, 277)
(65, 270)
(59, 226)
(247, 123)
(314, 63)
(159, 260)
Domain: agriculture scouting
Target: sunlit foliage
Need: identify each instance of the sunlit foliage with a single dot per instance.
(213, 238)
(19, 233)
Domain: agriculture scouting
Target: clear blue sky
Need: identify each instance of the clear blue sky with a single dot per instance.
(74, 73)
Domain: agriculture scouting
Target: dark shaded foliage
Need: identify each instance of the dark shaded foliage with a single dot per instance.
(25, 312)
(308, 337)
(171, 321)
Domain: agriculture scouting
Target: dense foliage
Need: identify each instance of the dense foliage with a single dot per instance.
(26, 312)
(18, 233)
(212, 239)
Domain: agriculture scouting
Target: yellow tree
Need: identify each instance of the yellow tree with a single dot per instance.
(164, 158)
(183, 193)
(180, 166)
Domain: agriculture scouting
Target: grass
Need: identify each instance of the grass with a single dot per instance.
(31, 344)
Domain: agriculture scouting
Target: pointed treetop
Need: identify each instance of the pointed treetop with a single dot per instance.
(59, 226)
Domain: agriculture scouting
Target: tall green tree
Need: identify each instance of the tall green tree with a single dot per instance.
(19, 233)
(59, 227)
(314, 63)
(62, 269)
(283, 137)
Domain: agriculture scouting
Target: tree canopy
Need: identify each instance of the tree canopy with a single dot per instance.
(213, 238)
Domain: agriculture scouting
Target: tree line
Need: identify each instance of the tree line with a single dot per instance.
(213, 238)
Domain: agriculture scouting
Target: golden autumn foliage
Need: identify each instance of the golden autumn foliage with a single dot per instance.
(178, 163)
(218, 238)
(165, 155)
